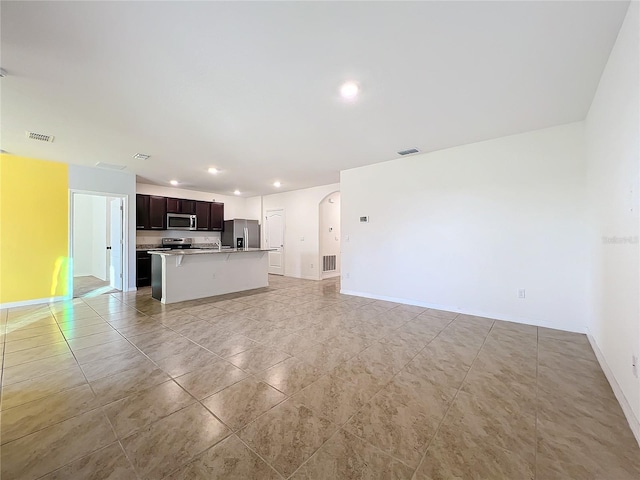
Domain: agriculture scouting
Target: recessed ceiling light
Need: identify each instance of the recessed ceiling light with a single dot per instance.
(277, 184)
(349, 90)
(141, 156)
(213, 170)
(236, 192)
(174, 182)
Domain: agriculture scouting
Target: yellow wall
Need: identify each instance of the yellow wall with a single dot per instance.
(33, 229)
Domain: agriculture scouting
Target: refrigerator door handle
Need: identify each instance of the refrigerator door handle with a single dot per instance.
(246, 238)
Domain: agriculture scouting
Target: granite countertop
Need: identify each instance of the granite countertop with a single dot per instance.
(209, 250)
(144, 247)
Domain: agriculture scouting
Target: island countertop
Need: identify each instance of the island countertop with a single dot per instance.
(207, 251)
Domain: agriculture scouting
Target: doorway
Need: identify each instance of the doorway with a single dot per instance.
(98, 243)
(274, 239)
(330, 235)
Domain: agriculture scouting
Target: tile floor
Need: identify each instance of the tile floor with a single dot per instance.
(297, 381)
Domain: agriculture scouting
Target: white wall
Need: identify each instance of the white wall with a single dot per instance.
(90, 179)
(613, 158)
(82, 233)
(99, 244)
(464, 228)
(330, 230)
(90, 236)
(302, 234)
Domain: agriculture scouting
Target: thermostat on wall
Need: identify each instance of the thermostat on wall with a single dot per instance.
(364, 219)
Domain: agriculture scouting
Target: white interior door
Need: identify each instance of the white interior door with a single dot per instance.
(115, 240)
(274, 223)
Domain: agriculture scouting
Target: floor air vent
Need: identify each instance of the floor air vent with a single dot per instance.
(40, 136)
(328, 263)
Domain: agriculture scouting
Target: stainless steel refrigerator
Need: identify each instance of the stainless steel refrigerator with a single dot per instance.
(240, 233)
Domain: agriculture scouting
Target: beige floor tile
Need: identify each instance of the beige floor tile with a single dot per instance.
(290, 375)
(257, 359)
(173, 441)
(42, 386)
(110, 366)
(74, 331)
(38, 414)
(401, 430)
(123, 384)
(228, 346)
(46, 450)
(228, 460)
(35, 353)
(188, 361)
(136, 411)
(32, 342)
(333, 398)
(109, 463)
(242, 402)
(46, 366)
(452, 458)
(103, 352)
(347, 457)
(95, 339)
(205, 381)
(287, 435)
(475, 421)
(324, 356)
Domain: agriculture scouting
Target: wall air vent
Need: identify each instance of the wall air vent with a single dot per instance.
(40, 136)
(141, 156)
(408, 151)
(110, 166)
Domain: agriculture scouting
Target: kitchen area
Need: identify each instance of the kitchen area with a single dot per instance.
(185, 249)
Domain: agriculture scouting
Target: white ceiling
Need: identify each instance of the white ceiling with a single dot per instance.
(252, 88)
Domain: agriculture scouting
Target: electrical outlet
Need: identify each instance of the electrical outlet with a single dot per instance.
(521, 293)
(347, 275)
(213, 276)
(634, 365)
(312, 265)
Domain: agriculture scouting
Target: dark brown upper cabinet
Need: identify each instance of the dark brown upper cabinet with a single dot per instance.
(172, 205)
(142, 212)
(216, 221)
(180, 205)
(157, 213)
(203, 214)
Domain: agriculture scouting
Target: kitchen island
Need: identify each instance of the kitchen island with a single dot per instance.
(179, 275)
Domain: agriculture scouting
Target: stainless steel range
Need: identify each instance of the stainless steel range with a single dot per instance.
(177, 243)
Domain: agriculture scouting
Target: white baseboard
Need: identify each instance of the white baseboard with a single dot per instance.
(633, 421)
(37, 301)
(330, 275)
(496, 316)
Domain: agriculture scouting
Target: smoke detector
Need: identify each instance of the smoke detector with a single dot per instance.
(141, 156)
(409, 151)
(40, 136)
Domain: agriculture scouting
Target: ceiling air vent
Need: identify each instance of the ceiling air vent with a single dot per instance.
(40, 136)
(408, 152)
(141, 156)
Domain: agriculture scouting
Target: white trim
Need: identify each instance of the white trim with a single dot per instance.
(633, 421)
(475, 313)
(330, 275)
(27, 303)
(125, 236)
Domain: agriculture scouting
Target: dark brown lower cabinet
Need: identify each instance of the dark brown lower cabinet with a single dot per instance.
(143, 269)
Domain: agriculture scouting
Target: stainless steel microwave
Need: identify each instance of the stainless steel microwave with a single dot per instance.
(179, 221)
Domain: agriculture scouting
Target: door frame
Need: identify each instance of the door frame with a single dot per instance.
(284, 232)
(125, 235)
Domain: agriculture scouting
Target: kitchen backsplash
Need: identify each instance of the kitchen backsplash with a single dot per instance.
(155, 238)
